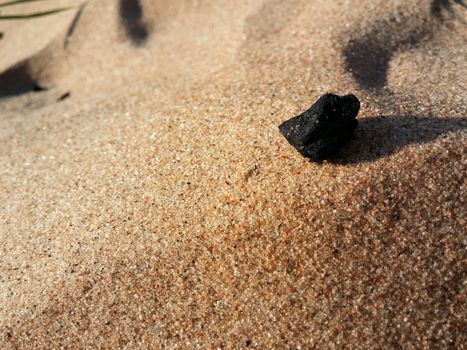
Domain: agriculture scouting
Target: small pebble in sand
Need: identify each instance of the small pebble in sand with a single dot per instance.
(324, 128)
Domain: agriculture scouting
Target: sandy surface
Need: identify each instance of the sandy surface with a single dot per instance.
(158, 206)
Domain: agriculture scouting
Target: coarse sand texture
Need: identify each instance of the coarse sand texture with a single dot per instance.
(149, 201)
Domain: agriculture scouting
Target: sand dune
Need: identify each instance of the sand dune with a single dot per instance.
(147, 199)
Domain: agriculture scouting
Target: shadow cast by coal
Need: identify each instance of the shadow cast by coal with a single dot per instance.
(382, 136)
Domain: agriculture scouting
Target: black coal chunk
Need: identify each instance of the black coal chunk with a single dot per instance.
(323, 129)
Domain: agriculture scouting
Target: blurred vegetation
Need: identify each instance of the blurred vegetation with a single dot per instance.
(30, 15)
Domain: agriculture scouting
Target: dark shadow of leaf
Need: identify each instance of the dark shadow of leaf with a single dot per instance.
(74, 23)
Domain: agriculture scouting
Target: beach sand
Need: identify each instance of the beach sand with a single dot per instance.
(148, 200)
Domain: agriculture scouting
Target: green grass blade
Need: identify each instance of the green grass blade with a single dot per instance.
(16, 2)
(33, 15)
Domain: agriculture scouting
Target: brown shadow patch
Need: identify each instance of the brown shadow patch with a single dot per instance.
(379, 137)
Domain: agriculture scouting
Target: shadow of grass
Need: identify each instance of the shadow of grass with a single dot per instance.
(437, 7)
(131, 16)
(368, 57)
(382, 136)
(18, 80)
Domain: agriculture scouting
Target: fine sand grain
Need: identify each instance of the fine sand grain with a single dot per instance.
(148, 200)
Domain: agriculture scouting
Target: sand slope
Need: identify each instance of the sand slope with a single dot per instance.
(159, 207)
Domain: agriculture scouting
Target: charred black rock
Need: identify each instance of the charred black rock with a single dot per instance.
(323, 129)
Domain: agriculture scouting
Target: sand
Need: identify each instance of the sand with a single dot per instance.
(148, 200)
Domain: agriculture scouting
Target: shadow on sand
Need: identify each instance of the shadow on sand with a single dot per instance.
(131, 16)
(368, 57)
(382, 136)
(437, 7)
(18, 80)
